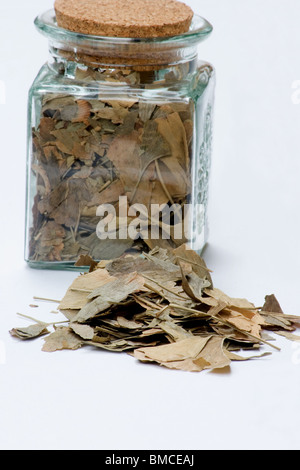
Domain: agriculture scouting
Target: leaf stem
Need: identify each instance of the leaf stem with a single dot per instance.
(47, 300)
(42, 322)
(217, 309)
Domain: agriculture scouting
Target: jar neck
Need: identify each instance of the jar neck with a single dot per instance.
(130, 65)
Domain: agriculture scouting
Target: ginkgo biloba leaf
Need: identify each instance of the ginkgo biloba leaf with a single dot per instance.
(29, 332)
(62, 338)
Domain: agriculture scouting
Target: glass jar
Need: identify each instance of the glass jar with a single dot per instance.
(119, 146)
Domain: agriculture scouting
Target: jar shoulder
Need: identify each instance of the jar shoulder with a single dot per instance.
(90, 82)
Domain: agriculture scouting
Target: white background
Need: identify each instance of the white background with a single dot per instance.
(90, 399)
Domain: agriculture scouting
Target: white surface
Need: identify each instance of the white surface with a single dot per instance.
(95, 400)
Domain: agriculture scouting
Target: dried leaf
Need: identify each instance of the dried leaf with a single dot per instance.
(173, 132)
(124, 154)
(192, 354)
(86, 260)
(252, 326)
(198, 265)
(290, 336)
(239, 303)
(77, 294)
(105, 296)
(62, 338)
(30, 332)
(236, 357)
(174, 331)
(128, 324)
(84, 331)
(184, 349)
(271, 304)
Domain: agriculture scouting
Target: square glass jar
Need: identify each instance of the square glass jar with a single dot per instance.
(119, 146)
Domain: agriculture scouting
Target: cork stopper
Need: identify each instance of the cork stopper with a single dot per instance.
(124, 18)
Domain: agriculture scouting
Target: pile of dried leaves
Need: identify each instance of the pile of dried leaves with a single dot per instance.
(161, 307)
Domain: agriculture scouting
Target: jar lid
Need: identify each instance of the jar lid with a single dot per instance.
(124, 18)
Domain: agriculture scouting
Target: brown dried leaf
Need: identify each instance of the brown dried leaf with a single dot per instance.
(48, 243)
(114, 292)
(30, 332)
(174, 331)
(86, 260)
(124, 154)
(197, 263)
(220, 296)
(116, 115)
(178, 351)
(84, 331)
(77, 294)
(128, 324)
(83, 112)
(252, 326)
(192, 354)
(146, 110)
(271, 304)
(173, 132)
(236, 357)
(62, 338)
(46, 126)
(109, 195)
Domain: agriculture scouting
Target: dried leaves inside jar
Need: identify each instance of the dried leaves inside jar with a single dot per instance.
(86, 154)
